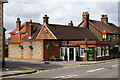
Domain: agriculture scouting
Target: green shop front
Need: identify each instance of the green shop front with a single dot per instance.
(90, 53)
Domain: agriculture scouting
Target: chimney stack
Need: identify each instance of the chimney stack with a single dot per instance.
(18, 24)
(104, 18)
(45, 19)
(70, 24)
(85, 18)
(30, 32)
(30, 21)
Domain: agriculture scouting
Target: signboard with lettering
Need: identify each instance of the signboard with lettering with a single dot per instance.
(91, 53)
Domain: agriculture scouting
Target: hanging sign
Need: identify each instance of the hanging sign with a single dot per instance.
(45, 30)
(104, 34)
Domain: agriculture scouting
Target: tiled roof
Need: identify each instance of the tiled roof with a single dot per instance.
(22, 28)
(35, 33)
(70, 32)
(108, 27)
(36, 29)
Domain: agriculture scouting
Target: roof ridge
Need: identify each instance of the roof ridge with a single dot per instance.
(102, 22)
(62, 25)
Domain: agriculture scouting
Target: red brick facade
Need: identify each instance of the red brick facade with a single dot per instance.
(45, 34)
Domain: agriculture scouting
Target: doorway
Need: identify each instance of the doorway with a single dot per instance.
(71, 53)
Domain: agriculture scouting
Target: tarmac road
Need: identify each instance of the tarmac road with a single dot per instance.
(102, 71)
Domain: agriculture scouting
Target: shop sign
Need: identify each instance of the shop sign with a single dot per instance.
(91, 53)
(45, 30)
(90, 57)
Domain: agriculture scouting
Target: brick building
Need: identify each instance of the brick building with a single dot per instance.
(103, 30)
(2, 33)
(63, 42)
(27, 30)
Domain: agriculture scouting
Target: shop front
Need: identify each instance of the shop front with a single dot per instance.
(69, 53)
(77, 53)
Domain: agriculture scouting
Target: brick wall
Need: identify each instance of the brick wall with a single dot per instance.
(46, 35)
(15, 38)
(51, 50)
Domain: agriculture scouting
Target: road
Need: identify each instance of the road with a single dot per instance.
(102, 70)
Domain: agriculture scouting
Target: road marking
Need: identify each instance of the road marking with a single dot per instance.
(95, 70)
(115, 65)
(46, 70)
(66, 76)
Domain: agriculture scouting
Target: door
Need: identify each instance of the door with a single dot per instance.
(71, 53)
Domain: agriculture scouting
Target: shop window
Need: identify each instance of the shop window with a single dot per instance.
(77, 51)
(117, 37)
(114, 37)
(62, 51)
(82, 50)
(109, 38)
(98, 51)
(103, 51)
(107, 52)
(117, 48)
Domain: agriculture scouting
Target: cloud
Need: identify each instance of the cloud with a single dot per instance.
(59, 11)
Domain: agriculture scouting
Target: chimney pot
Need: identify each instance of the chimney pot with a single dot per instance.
(18, 19)
(70, 24)
(104, 18)
(85, 13)
(30, 21)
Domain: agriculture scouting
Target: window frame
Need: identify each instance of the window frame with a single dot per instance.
(100, 53)
(82, 49)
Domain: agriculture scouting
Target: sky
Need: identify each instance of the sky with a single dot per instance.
(59, 11)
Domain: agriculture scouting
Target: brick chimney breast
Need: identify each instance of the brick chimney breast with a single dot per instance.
(30, 30)
(18, 24)
(30, 21)
(45, 19)
(85, 18)
(104, 18)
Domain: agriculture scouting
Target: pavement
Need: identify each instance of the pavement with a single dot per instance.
(11, 70)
